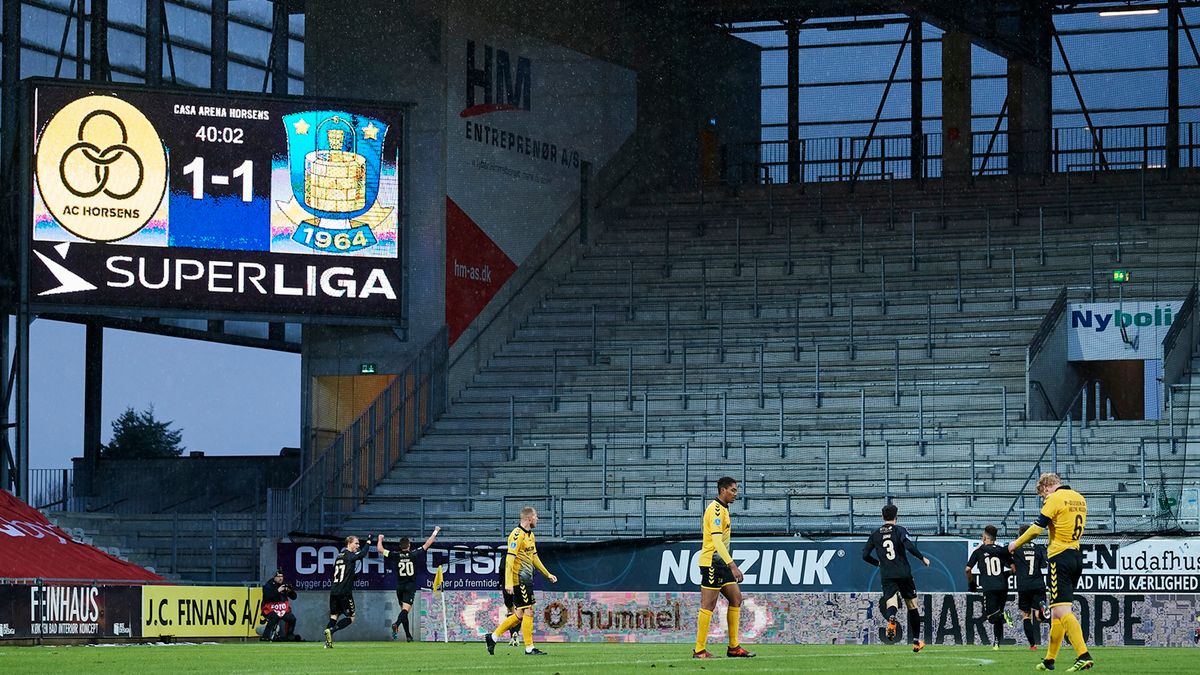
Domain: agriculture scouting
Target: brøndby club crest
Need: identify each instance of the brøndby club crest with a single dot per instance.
(334, 162)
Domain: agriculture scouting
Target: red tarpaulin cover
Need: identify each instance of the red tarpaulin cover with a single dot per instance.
(31, 547)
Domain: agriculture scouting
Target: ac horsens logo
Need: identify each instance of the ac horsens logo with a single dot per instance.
(495, 81)
(101, 168)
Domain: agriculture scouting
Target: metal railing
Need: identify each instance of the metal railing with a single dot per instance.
(1050, 451)
(1179, 344)
(193, 546)
(852, 158)
(364, 453)
(766, 513)
(53, 489)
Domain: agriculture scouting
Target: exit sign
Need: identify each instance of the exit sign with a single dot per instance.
(367, 368)
(1120, 276)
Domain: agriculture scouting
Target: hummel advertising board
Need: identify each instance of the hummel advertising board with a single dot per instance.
(224, 204)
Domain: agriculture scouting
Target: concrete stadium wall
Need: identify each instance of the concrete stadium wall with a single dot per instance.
(375, 611)
(396, 51)
(175, 480)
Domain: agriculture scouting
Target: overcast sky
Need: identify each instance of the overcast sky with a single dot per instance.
(227, 400)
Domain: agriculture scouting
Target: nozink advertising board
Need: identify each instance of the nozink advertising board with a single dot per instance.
(220, 203)
(780, 565)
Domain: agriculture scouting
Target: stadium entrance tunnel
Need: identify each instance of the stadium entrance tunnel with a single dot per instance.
(1120, 389)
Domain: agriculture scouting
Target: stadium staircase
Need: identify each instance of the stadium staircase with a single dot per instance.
(824, 360)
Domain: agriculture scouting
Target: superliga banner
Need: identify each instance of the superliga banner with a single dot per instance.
(522, 116)
(1162, 620)
(224, 203)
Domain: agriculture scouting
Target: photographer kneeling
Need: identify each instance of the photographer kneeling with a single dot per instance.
(277, 609)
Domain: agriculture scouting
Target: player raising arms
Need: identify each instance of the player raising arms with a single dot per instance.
(719, 575)
(886, 549)
(521, 559)
(995, 565)
(1031, 589)
(406, 578)
(1064, 511)
(341, 598)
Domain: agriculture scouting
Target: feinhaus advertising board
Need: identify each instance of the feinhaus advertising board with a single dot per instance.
(87, 611)
(225, 204)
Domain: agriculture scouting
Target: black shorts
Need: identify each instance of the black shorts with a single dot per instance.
(1065, 569)
(1027, 601)
(522, 596)
(993, 605)
(905, 587)
(715, 577)
(405, 592)
(341, 604)
(508, 598)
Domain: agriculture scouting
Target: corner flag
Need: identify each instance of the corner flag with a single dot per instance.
(438, 581)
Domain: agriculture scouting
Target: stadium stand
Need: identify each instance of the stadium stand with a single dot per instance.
(816, 356)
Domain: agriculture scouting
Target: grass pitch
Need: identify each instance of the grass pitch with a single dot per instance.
(391, 657)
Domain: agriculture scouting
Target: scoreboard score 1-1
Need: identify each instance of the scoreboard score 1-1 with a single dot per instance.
(228, 204)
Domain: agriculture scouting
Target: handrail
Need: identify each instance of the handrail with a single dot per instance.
(1047, 325)
(1050, 443)
(559, 518)
(365, 452)
(1180, 322)
(1045, 398)
(1067, 142)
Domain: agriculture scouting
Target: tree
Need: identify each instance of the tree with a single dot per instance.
(137, 435)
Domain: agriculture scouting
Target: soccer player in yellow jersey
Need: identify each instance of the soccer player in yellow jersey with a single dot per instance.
(1064, 511)
(719, 575)
(521, 559)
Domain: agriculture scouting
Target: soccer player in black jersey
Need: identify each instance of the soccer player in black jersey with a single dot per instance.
(1030, 560)
(886, 550)
(406, 578)
(514, 635)
(995, 565)
(341, 598)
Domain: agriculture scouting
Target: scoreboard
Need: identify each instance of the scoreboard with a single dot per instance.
(222, 204)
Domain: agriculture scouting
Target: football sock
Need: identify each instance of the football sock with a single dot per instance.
(527, 631)
(733, 617)
(1074, 634)
(1057, 630)
(404, 622)
(914, 624)
(509, 623)
(343, 622)
(332, 625)
(889, 612)
(1032, 633)
(702, 629)
(998, 632)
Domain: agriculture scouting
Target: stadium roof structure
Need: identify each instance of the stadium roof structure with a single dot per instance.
(1007, 27)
